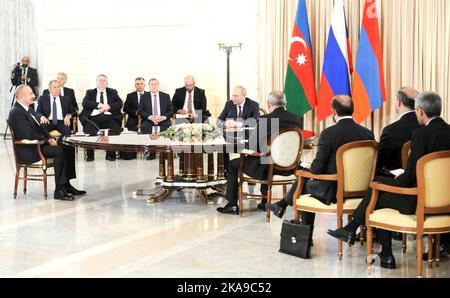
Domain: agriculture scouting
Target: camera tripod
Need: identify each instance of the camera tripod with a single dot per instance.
(12, 103)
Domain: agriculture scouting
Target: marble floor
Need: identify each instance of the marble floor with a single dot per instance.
(110, 233)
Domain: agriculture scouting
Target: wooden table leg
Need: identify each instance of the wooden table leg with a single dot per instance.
(220, 166)
(170, 167)
(210, 166)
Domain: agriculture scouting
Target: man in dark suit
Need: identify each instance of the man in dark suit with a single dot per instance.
(101, 109)
(28, 76)
(239, 108)
(395, 135)
(25, 125)
(156, 110)
(331, 139)
(55, 111)
(253, 166)
(236, 111)
(432, 137)
(61, 77)
(190, 101)
(131, 105)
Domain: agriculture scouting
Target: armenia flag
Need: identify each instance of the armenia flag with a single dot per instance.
(337, 63)
(299, 87)
(369, 91)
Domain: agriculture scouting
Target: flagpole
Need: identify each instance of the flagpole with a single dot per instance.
(229, 49)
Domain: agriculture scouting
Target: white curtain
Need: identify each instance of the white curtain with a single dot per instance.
(18, 37)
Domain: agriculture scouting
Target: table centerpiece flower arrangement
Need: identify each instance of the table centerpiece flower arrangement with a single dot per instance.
(195, 132)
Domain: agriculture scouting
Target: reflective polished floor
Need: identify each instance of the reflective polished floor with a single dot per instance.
(110, 233)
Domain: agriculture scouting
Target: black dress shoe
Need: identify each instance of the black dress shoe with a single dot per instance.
(344, 235)
(110, 158)
(277, 210)
(229, 209)
(262, 206)
(151, 156)
(387, 262)
(90, 158)
(62, 195)
(72, 191)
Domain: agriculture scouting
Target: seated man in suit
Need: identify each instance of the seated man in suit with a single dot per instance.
(331, 139)
(236, 111)
(253, 166)
(190, 101)
(101, 109)
(55, 111)
(130, 108)
(131, 105)
(25, 125)
(395, 135)
(432, 137)
(156, 111)
(61, 77)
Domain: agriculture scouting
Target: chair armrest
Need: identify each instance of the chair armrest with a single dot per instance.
(29, 142)
(394, 189)
(305, 174)
(252, 153)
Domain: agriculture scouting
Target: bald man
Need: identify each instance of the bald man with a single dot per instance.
(395, 135)
(25, 125)
(331, 139)
(190, 101)
(29, 75)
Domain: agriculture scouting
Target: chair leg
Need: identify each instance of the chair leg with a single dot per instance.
(419, 254)
(361, 235)
(284, 190)
(25, 177)
(296, 214)
(339, 225)
(241, 200)
(430, 251)
(404, 245)
(369, 246)
(44, 178)
(16, 183)
(269, 199)
(437, 247)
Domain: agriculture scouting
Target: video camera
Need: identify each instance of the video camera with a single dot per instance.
(16, 74)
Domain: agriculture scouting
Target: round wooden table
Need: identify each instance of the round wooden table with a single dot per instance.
(192, 155)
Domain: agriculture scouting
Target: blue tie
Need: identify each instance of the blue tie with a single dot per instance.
(55, 112)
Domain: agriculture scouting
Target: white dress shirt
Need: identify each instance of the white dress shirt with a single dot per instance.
(96, 112)
(186, 101)
(58, 107)
(27, 109)
(242, 108)
(156, 129)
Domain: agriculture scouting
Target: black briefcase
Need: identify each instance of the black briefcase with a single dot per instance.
(296, 239)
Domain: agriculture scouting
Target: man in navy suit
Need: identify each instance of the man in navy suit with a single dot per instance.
(55, 111)
(102, 108)
(237, 110)
(156, 110)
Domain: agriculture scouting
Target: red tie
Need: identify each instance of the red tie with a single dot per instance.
(190, 110)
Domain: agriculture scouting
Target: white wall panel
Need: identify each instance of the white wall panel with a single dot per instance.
(162, 39)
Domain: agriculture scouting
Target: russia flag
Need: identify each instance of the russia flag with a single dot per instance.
(337, 63)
